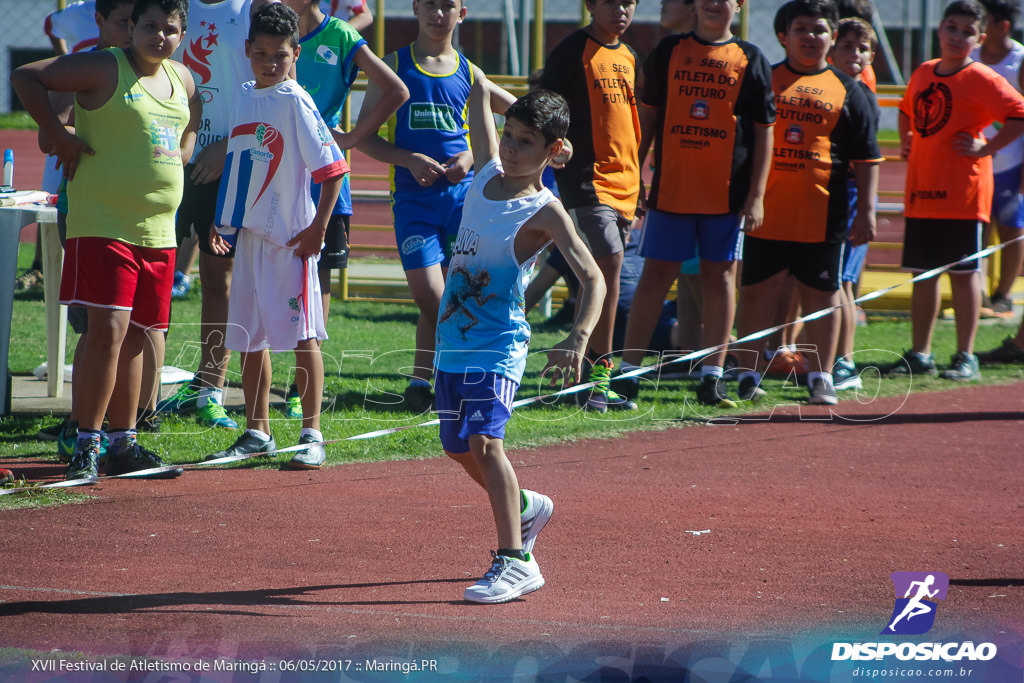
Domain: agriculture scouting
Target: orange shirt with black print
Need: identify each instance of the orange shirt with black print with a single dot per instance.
(823, 123)
(599, 83)
(940, 182)
(710, 96)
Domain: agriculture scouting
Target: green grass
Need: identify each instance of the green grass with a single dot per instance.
(367, 354)
(16, 120)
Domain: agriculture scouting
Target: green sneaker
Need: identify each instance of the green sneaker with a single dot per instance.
(602, 398)
(214, 415)
(68, 441)
(293, 404)
(182, 401)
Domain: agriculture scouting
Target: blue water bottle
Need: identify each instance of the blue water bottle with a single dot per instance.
(8, 169)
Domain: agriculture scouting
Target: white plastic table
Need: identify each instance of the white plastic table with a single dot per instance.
(12, 220)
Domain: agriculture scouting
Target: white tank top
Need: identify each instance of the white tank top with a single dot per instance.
(481, 324)
(1012, 155)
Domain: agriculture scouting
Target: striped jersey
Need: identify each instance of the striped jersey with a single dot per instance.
(278, 142)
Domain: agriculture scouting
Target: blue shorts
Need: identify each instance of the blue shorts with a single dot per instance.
(469, 403)
(680, 237)
(853, 262)
(1007, 209)
(426, 224)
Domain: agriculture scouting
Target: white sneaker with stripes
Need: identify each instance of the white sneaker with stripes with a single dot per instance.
(507, 579)
(536, 514)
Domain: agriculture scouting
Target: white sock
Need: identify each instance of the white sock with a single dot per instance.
(262, 436)
(210, 395)
(311, 432)
(712, 370)
(812, 377)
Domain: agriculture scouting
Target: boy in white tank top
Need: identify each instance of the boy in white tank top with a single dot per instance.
(482, 333)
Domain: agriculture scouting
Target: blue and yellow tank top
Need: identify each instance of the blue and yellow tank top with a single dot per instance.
(433, 121)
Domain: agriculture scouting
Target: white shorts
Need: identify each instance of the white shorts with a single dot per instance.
(275, 298)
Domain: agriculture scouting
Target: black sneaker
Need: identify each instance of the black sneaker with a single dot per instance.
(418, 399)
(1001, 303)
(83, 461)
(53, 432)
(750, 390)
(712, 392)
(148, 420)
(822, 393)
(127, 456)
(1007, 352)
(247, 444)
(627, 387)
(913, 363)
(963, 367)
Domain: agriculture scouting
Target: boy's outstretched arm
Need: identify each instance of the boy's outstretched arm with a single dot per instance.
(567, 355)
(390, 93)
(483, 135)
(865, 174)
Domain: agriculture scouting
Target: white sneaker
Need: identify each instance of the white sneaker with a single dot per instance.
(507, 579)
(537, 513)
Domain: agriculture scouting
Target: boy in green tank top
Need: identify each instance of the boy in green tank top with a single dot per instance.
(136, 113)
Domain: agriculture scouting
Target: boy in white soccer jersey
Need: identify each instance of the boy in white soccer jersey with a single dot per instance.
(278, 141)
(482, 333)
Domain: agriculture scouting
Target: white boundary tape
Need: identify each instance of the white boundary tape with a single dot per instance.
(637, 372)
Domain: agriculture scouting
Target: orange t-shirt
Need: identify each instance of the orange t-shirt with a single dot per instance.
(824, 122)
(709, 97)
(598, 81)
(940, 182)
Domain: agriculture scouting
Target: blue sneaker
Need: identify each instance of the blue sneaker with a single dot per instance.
(182, 285)
(182, 401)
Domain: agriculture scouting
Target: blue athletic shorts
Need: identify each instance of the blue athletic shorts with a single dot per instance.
(1007, 209)
(426, 224)
(853, 262)
(472, 403)
(680, 237)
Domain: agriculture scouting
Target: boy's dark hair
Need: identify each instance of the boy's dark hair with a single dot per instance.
(276, 19)
(533, 80)
(546, 111)
(815, 9)
(859, 28)
(864, 9)
(105, 7)
(1002, 10)
(169, 7)
(966, 8)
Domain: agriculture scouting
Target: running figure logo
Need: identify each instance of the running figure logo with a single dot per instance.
(916, 596)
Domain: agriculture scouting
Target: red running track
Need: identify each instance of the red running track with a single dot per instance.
(806, 517)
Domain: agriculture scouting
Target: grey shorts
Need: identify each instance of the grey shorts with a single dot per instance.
(603, 229)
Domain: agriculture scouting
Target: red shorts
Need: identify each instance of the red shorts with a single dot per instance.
(107, 273)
